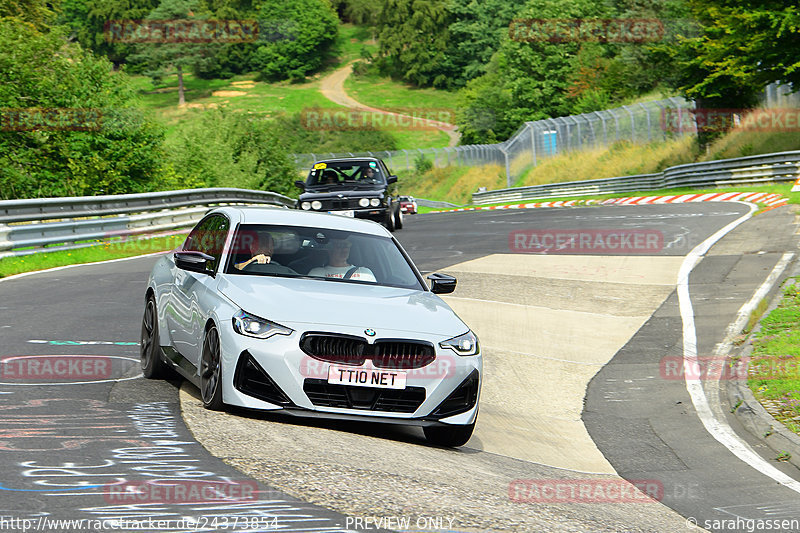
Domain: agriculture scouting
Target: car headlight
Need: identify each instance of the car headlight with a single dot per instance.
(260, 328)
(364, 202)
(306, 205)
(466, 344)
(375, 202)
(316, 204)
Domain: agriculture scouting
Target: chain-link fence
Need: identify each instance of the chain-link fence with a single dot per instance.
(637, 123)
(540, 139)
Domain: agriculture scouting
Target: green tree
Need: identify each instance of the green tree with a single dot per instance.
(308, 31)
(483, 107)
(45, 75)
(475, 34)
(40, 13)
(356, 11)
(161, 58)
(414, 40)
(743, 47)
(87, 19)
(529, 78)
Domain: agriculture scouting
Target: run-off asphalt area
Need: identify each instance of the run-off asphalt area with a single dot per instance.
(378, 471)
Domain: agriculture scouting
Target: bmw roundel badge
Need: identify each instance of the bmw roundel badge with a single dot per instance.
(370, 332)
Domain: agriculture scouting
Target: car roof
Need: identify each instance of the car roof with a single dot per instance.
(347, 159)
(294, 217)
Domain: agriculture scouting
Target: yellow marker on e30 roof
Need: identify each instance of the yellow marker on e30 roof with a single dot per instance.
(320, 166)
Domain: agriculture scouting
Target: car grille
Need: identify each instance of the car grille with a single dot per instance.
(344, 203)
(337, 349)
(399, 355)
(394, 354)
(325, 394)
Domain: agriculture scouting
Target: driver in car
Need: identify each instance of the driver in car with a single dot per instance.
(339, 266)
(261, 249)
(261, 261)
(370, 174)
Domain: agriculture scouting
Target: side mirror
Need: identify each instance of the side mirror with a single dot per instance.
(193, 261)
(391, 179)
(442, 283)
(300, 184)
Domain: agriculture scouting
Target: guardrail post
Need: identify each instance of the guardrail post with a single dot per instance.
(508, 168)
(647, 110)
(5, 243)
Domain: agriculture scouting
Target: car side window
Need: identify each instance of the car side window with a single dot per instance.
(209, 237)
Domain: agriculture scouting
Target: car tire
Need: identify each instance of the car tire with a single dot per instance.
(398, 222)
(450, 436)
(153, 366)
(211, 372)
(389, 222)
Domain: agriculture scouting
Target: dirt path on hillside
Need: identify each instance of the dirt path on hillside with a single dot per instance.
(332, 88)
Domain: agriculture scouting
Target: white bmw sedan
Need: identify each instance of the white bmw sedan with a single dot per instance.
(315, 315)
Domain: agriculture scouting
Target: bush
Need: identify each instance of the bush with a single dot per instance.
(295, 138)
(228, 149)
(422, 164)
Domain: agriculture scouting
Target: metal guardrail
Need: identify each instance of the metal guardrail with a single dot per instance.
(87, 206)
(36, 223)
(757, 169)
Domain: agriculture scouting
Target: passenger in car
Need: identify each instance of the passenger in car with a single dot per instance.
(338, 265)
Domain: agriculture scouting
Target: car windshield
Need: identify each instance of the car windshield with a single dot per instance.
(319, 253)
(334, 173)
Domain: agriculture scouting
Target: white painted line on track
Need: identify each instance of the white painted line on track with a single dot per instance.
(717, 426)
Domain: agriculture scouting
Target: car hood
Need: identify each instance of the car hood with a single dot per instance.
(345, 192)
(333, 303)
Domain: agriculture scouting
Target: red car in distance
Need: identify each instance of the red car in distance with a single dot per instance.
(408, 205)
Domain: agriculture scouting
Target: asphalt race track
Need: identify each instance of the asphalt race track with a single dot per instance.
(576, 393)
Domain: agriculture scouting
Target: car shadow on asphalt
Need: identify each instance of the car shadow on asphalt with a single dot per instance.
(398, 433)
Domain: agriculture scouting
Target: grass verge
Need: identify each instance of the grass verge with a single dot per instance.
(774, 370)
(384, 93)
(101, 252)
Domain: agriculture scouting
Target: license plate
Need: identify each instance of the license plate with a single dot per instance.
(348, 213)
(367, 377)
